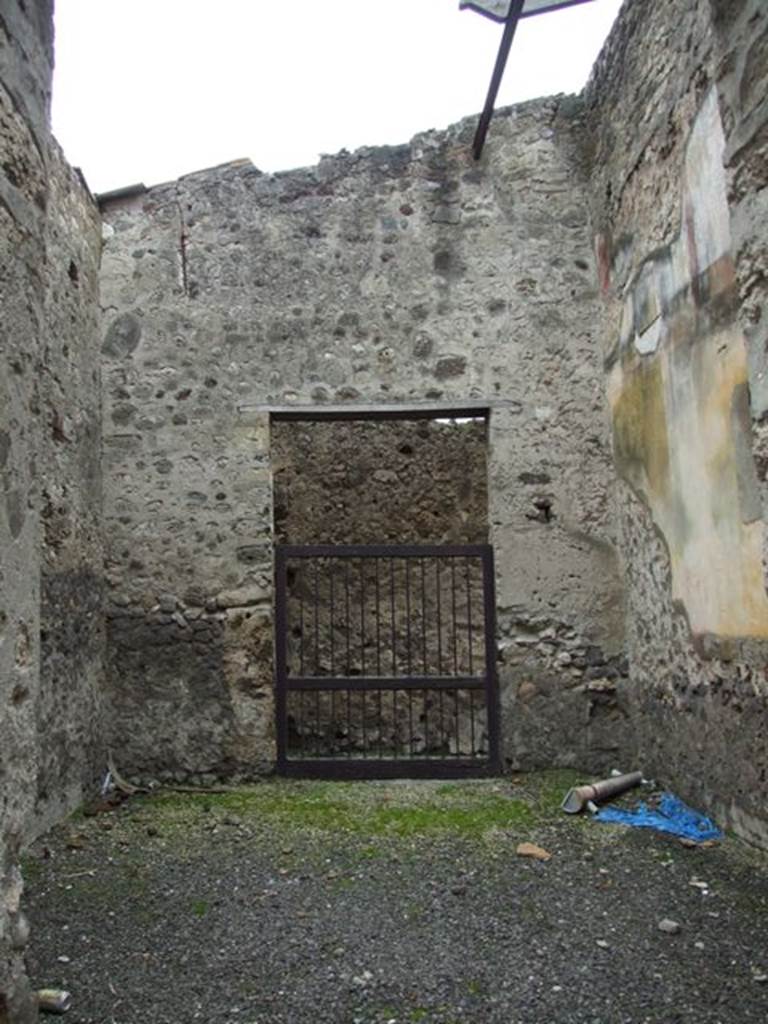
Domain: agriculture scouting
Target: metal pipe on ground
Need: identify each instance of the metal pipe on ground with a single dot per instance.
(53, 1000)
(576, 799)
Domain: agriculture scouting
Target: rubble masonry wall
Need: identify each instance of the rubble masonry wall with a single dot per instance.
(51, 632)
(405, 274)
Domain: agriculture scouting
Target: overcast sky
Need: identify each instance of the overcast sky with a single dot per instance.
(152, 89)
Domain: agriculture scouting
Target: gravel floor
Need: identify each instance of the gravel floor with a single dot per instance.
(367, 903)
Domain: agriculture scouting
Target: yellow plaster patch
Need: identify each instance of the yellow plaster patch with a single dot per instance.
(672, 417)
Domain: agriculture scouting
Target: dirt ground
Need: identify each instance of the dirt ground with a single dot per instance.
(392, 903)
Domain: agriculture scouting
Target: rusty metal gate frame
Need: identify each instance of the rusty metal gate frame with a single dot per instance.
(351, 767)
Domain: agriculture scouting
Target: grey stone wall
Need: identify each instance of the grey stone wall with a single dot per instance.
(395, 275)
(51, 648)
(677, 103)
(71, 750)
(25, 75)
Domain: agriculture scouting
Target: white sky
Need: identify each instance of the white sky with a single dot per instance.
(148, 90)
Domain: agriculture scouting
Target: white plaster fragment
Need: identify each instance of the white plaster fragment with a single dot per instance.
(627, 321)
(647, 342)
(706, 185)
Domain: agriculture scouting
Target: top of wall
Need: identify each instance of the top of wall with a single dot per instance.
(26, 59)
(638, 106)
(383, 161)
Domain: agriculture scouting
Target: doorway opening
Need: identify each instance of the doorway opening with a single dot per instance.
(385, 653)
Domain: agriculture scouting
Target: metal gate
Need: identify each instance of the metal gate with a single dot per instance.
(385, 661)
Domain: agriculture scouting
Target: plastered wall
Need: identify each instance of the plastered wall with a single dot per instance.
(678, 131)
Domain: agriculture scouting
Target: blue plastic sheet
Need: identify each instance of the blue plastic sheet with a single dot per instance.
(671, 816)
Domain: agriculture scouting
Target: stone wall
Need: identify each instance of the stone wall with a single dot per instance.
(399, 275)
(50, 636)
(71, 751)
(390, 482)
(25, 74)
(669, 188)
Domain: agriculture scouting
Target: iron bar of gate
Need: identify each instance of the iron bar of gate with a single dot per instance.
(432, 768)
(423, 614)
(362, 617)
(408, 616)
(363, 709)
(470, 637)
(378, 621)
(439, 619)
(388, 683)
(491, 687)
(392, 614)
(317, 618)
(408, 650)
(346, 620)
(301, 625)
(303, 552)
(333, 639)
(349, 723)
(472, 747)
(281, 654)
(380, 726)
(439, 644)
(457, 724)
(318, 731)
(455, 623)
(333, 619)
(363, 723)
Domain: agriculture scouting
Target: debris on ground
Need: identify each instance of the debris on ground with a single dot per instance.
(532, 850)
(671, 816)
(589, 795)
(53, 1000)
(418, 883)
(666, 924)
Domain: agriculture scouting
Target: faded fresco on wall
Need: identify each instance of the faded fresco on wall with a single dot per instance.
(680, 404)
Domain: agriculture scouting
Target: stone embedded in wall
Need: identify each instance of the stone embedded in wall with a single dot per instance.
(122, 337)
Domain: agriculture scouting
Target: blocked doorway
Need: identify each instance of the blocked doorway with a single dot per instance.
(385, 654)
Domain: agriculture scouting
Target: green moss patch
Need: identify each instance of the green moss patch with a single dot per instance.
(470, 808)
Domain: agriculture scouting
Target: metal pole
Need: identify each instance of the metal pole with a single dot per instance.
(513, 16)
